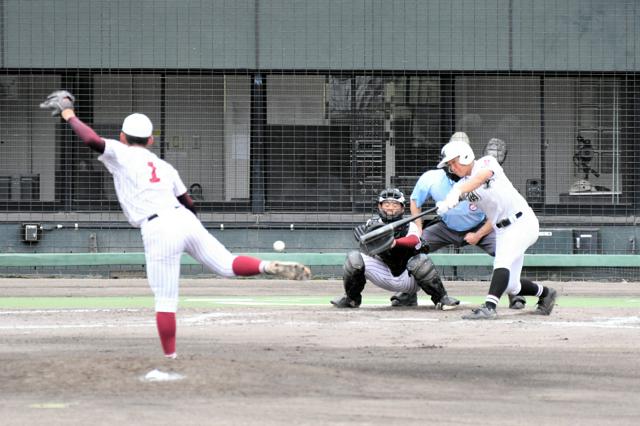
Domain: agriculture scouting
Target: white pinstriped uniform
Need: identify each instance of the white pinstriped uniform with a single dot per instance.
(376, 271)
(500, 200)
(147, 185)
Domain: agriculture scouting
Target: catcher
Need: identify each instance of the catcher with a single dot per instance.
(400, 267)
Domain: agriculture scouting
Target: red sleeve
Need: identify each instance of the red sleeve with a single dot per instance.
(186, 200)
(408, 241)
(87, 134)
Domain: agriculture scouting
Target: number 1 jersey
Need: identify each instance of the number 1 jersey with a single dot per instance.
(145, 184)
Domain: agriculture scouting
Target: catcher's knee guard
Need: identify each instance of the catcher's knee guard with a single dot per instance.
(353, 277)
(424, 271)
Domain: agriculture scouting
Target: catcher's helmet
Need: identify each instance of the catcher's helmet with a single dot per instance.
(391, 194)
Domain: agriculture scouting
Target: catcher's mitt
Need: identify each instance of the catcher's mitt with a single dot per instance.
(58, 101)
(369, 225)
(376, 245)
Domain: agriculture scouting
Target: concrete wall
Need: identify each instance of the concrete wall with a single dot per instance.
(620, 239)
(612, 240)
(598, 35)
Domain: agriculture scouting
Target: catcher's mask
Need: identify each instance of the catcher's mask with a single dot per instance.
(396, 196)
(496, 148)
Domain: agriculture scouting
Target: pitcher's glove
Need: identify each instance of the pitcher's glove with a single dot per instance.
(58, 101)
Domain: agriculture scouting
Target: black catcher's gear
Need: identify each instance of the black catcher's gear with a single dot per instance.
(391, 194)
(353, 277)
(424, 271)
(497, 148)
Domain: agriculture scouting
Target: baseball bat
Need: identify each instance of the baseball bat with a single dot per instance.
(388, 228)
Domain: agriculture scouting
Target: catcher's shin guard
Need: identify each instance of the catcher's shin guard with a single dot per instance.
(353, 277)
(424, 271)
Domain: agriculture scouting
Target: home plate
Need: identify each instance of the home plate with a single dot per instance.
(161, 376)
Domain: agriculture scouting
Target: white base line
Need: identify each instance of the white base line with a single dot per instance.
(58, 311)
(220, 318)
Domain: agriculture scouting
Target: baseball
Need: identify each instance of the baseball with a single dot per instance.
(278, 245)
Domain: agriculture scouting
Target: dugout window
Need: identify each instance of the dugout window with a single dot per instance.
(584, 129)
(308, 143)
(414, 131)
(27, 140)
(201, 126)
(507, 108)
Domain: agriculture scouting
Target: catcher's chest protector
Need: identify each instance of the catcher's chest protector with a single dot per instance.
(398, 257)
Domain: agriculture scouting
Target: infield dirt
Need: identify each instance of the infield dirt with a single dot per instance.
(246, 363)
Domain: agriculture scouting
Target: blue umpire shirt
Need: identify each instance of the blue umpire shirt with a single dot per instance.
(436, 185)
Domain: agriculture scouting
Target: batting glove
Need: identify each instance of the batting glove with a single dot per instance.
(453, 198)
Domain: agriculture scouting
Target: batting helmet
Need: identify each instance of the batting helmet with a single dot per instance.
(458, 146)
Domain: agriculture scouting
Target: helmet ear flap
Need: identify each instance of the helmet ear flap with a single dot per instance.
(452, 176)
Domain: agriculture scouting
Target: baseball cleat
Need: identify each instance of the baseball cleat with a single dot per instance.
(447, 303)
(481, 313)
(404, 299)
(546, 304)
(288, 270)
(517, 302)
(345, 302)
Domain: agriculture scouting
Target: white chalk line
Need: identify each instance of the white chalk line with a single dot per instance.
(411, 319)
(65, 311)
(253, 302)
(223, 318)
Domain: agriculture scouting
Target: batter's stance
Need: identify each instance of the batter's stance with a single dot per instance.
(154, 199)
(463, 225)
(484, 184)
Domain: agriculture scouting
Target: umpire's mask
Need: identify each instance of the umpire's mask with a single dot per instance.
(496, 148)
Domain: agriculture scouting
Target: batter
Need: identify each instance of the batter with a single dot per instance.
(484, 184)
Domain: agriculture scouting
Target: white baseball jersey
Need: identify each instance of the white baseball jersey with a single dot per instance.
(376, 271)
(499, 200)
(145, 184)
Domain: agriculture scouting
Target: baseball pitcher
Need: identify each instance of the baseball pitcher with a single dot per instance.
(154, 199)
